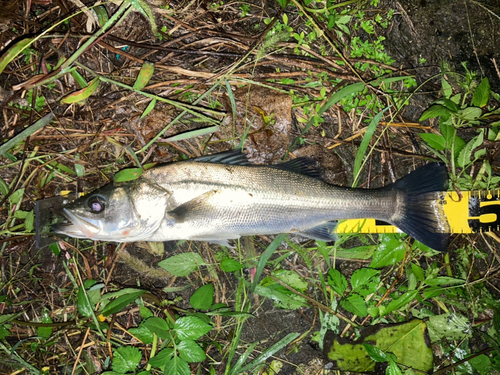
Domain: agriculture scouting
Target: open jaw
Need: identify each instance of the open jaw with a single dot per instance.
(77, 227)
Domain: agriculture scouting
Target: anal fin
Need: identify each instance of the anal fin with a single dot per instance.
(322, 232)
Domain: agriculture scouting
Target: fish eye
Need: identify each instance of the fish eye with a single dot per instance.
(96, 203)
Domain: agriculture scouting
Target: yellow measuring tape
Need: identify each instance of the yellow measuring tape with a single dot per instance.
(475, 211)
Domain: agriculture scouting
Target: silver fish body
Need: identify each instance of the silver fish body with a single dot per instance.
(224, 197)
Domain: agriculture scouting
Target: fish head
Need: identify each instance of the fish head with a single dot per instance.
(123, 212)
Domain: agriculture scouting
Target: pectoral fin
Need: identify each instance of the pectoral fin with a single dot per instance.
(322, 232)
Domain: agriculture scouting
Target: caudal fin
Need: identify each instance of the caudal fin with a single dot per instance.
(422, 216)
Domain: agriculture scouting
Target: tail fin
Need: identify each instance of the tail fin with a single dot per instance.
(421, 215)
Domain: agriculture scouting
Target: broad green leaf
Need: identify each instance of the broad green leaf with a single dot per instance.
(192, 133)
(393, 369)
(482, 94)
(464, 157)
(406, 341)
(25, 133)
(401, 301)
(448, 103)
(121, 302)
(283, 299)
(360, 252)
(365, 281)
(45, 332)
(291, 278)
(182, 264)
(142, 333)
(85, 306)
(145, 312)
(13, 52)
(29, 221)
(482, 364)
(162, 358)
(436, 141)
(128, 174)
(390, 251)
(365, 142)
(230, 265)
(177, 366)
(190, 351)
(337, 281)
(417, 271)
(81, 95)
(4, 332)
(149, 108)
(191, 328)
(449, 326)
(435, 110)
(144, 75)
(355, 304)
(158, 326)
(203, 298)
(375, 353)
(444, 280)
(4, 188)
(102, 14)
(5, 318)
(470, 113)
(126, 359)
(446, 87)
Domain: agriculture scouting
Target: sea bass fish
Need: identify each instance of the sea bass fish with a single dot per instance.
(223, 196)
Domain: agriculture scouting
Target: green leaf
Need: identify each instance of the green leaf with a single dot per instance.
(265, 257)
(337, 281)
(13, 52)
(448, 103)
(444, 280)
(126, 359)
(191, 328)
(158, 326)
(481, 364)
(355, 304)
(25, 133)
(436, 141)
(85, 306)
(182, 264)
(121, 302)
(128, 174)
(83, 94)
(149, 108)
(365, 142)
(45, 332)
(449, 326)
(291, 278)
(375, 353)
(203, 298)
(142, 333)
(29, 221)
(162, 358)
(365, 281)
(144, 75)
(482, 94)
(4, 189)
(398, 303)
(192, 133)
(470, 113)
(406, 342)
(282, 297)
(190, 351)
(177, 366)
(446, 87)
(230, 265)
(390, 251)
(435, 110)
(464, 157)
(393, 369)
(4, 332)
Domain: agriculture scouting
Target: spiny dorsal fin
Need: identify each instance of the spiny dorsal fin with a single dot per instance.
(300, 165)
(233, 157)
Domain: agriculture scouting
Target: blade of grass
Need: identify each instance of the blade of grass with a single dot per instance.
(191, 134)
(26, 133)
(365, 143)
(265, 257)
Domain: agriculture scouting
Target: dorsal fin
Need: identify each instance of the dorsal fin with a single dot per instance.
(302, 165)
(234, 157)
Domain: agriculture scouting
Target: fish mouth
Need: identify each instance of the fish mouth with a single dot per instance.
(77, 227)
